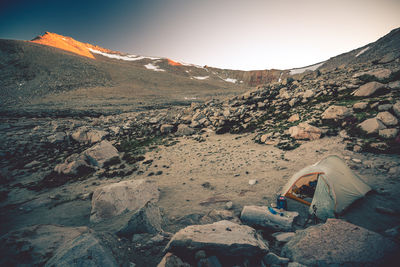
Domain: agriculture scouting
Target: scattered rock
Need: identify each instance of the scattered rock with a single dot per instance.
(183, 129)
(272, 258)
(387, 118)
(336, 113)
(388, 133)
(371, 88)
(379, 74)
(360, 105)
(57, 137)
(394, 85)
(114, 199)
(305, 131)
(293, 118)
(252, 182)
(74, 165)
(264, 137)
(339, 242)
(166, 128)
(229, 205)
(308, 94)
(371, 126)
(86, 135)
(385, 107)
(283, 237)
(101, 153)
(396, 108)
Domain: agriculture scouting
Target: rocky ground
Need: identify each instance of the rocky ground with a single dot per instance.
(124, 184)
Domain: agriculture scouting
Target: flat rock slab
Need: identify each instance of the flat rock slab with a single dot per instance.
(262, 216)
(338, 242)
(114, 199)
(223, 238)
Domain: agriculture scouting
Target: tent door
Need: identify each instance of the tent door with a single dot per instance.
(304, 187)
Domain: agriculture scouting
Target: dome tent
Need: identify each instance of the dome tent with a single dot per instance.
(336, 187)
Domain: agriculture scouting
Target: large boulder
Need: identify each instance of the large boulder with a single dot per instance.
(371, 88)
(387, 118)
(371, 126)
(114, 199)
(35, 245)
(305, 131)
(337, 243)
(336, 113)
(87, 249)
(223, 238)
(101, 153)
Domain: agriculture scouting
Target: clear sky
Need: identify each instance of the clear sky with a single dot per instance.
(235, 34)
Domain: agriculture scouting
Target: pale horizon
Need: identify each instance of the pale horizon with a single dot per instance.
(251, 35)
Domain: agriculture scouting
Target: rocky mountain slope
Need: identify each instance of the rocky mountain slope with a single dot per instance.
(169, 186)
(44, 71)
(384, 50)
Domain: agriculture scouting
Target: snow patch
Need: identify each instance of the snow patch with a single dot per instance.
(230, 80)
(153, 67)
(201, 77)
(301, 70)
(189, 65)
(362, 51)
(121, 57)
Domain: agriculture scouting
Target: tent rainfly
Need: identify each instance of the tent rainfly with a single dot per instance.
(336, 187)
